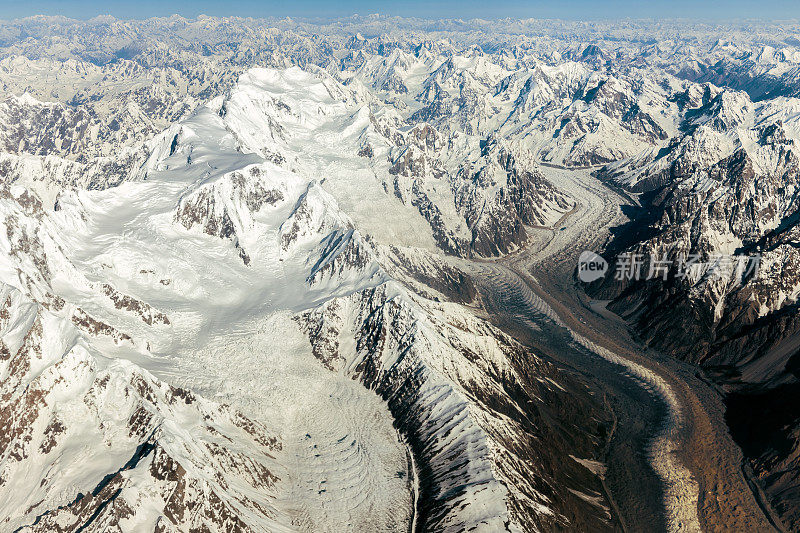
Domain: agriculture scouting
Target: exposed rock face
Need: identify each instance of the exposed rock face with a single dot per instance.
(215, 208)
(429, 275)
(484, 392)
(169, 214)
(502, 197)
(745, 203)
(123, 301)
(728, 187)
(494, 193)
(166, 451)
(222, 232)
(40, 128)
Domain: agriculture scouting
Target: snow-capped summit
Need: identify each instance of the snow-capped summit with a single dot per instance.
(241, 268)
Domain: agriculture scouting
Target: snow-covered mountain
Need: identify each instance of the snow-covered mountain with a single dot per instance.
(725, 193)
(230, 297)
(216, 334)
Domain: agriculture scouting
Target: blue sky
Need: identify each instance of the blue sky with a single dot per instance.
(568, 9)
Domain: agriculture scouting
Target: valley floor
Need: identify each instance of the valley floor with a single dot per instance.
(671, 455)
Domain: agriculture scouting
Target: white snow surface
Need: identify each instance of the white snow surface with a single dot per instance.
(194, 272)
(202, 220)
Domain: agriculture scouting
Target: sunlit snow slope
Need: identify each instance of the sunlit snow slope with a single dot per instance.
(216, 343)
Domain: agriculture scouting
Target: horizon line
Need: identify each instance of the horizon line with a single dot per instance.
(101, 17)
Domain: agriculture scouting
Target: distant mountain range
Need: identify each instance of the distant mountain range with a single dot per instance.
(232, 263)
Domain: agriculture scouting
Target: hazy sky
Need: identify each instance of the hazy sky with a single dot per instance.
(567, 9)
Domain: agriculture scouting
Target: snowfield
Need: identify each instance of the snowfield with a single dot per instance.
(246, 269)
(208, 270)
